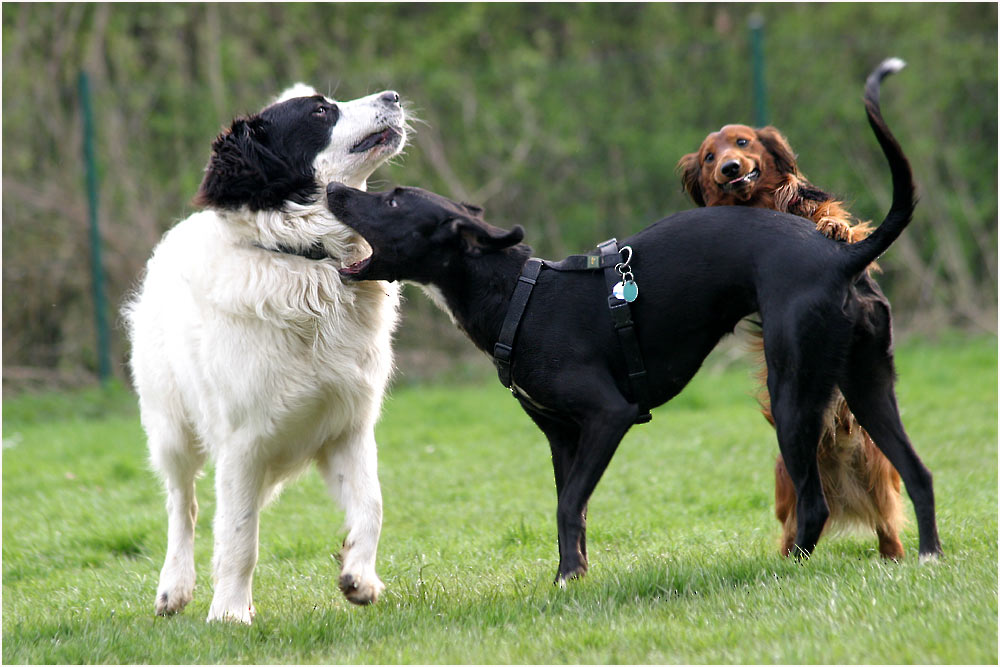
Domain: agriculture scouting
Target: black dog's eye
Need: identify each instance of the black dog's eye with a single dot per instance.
(392, 203)
(742, 142)
(709, 157)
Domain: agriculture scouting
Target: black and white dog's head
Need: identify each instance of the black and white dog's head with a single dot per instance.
(288, 151)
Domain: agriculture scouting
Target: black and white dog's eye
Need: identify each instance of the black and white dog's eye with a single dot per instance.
(392, 203)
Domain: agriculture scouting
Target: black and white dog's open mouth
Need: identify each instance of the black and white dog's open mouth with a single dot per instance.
(745, 179)
(387, 136)
(356, 268)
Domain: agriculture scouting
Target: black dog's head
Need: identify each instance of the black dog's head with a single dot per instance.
(288, 150)
(414, 234)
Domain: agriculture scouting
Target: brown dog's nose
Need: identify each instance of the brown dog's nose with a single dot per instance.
(731, 169)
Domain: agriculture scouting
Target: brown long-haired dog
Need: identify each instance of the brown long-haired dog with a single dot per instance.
(743, 166)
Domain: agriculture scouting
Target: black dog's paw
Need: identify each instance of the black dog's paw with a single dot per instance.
(574, 573)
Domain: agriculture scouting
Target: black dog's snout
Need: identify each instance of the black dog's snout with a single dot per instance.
(390, 97)
(731, 168)
(334, 187)
(337, 193)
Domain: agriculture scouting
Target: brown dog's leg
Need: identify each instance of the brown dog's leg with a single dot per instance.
(884, 482)
(888, 544)
(784, 505)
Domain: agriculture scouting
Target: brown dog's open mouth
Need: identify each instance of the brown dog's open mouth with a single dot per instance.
(388, 136)
(743, 180)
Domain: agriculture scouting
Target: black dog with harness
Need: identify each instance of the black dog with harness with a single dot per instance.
(620, 294)
(702, 271)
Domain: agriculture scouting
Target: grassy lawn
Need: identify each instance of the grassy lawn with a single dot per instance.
(683, 542)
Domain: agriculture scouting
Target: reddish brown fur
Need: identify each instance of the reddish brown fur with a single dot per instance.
(860, 485)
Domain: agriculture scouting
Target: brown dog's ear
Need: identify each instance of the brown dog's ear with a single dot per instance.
(689, 167)
(777, 146)
(480, 237)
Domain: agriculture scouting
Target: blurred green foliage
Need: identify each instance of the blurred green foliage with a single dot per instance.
(568, 118)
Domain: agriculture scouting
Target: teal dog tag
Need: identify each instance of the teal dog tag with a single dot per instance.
(626, 290)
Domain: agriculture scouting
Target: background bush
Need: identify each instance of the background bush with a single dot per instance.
(567, 118)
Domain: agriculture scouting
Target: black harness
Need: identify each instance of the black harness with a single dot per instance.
(607, 257)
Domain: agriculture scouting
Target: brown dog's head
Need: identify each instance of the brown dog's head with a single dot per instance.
(738, 165)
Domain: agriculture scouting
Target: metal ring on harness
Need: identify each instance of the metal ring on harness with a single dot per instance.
(622, 267)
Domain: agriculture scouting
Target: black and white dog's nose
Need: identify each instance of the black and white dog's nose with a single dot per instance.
(390, 97)
(731, 169)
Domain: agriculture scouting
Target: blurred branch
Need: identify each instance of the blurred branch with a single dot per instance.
(429, 139)
(518, 156)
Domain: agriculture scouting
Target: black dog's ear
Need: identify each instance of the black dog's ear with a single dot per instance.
(778, 147)
(480, 237)
(243, 170)
(689, 167)
(475, 211)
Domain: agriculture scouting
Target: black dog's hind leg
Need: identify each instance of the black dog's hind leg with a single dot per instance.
(800, 393)
(798, 438)
(600, 433)
(868, 388)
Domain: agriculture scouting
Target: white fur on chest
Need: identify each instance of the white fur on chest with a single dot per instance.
(270, 345)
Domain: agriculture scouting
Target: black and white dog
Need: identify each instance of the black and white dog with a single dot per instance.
(248, 349)
(700, 272)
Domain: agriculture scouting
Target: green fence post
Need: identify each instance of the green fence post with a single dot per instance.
(96, 266)
(757, 59)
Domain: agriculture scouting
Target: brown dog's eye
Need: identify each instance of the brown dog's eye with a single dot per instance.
(742, 142)
(709, 157)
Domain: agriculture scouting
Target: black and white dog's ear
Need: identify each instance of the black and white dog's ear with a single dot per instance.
(244, 171)
(479, 237)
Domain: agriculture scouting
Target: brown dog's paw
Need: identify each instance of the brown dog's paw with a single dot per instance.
(838, 230)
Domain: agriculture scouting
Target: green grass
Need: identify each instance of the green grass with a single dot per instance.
(684, 565)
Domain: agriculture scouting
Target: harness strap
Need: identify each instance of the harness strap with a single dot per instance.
(504, 348)
(583, 262)
(621, 318)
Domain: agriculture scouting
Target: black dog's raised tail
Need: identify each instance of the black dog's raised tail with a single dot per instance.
(904, 195)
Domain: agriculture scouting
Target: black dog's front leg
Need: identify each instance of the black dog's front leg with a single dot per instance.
(564, 437)
(600, 434)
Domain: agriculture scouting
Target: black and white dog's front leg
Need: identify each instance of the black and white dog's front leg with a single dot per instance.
(600, 434)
